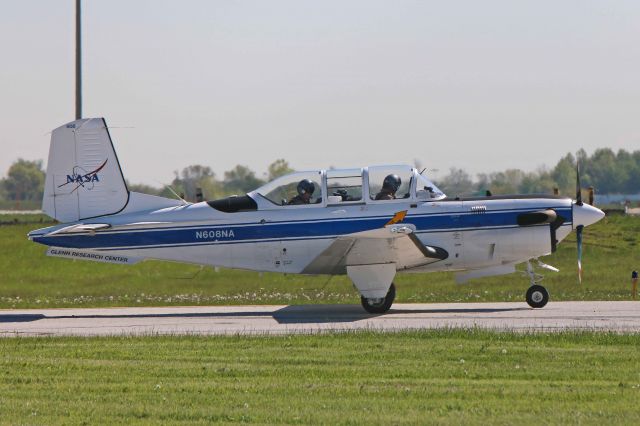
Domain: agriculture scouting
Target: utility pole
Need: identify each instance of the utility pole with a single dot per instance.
(78, 63)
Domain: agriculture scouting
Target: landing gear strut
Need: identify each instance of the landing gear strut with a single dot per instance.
(379, 306)
(537, 295)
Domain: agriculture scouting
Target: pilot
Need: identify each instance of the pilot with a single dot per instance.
(389, 188)
(305, 190)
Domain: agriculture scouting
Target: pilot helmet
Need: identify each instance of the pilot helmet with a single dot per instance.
(305, 187)
(392, 183)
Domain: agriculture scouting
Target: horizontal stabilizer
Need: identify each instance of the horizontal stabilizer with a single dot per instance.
(144, 202)
(89, 228)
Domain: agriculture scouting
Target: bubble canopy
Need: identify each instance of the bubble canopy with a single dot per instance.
(348, 186)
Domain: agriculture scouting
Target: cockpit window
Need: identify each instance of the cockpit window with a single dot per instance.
(389, 182)
(295, 189)
(426, 190)
(344, 185)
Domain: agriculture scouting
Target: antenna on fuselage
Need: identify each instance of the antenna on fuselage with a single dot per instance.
(184, 202)
(429, 170)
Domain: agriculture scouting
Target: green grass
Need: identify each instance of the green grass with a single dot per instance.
(22, 205)
(17, 218)
(30, 279)
(448, 377)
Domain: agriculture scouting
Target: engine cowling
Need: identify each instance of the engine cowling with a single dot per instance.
(543, 217)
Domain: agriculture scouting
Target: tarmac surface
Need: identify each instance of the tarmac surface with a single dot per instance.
(209, 320)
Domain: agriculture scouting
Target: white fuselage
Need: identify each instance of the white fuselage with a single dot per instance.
(476, 233)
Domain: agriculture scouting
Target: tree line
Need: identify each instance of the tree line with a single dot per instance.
(24, 183)
(605, 170)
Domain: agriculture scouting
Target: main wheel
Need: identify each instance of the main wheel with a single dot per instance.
(379, 306)
(537, 296)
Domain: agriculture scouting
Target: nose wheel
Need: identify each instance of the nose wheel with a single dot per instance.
(537, 296)
(379, 306)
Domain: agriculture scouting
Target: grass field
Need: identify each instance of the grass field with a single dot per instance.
(432, 377)
(447, 377)
(30, 279)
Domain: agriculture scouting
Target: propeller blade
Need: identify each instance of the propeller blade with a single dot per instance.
(578, 188)
(579, 229)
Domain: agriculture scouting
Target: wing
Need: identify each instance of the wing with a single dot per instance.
(395, 243)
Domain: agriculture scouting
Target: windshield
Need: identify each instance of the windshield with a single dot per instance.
(294, 189)
(427, 190)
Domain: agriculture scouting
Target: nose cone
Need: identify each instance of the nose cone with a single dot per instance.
(586, 215)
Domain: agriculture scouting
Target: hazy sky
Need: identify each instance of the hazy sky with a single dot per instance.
(481, 85)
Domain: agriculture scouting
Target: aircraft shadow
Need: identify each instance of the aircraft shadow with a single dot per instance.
(293, 314)
(321, 314)
(21, 317)
(456, 311)
(36, 317)
(303, 314)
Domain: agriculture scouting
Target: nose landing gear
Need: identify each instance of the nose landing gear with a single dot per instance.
(537, 296)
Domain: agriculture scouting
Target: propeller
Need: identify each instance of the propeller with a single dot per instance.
(579, 240)
(579, 228)
(578, 188)
(584, 214)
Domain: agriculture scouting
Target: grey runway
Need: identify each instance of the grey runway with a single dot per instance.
(211, 320)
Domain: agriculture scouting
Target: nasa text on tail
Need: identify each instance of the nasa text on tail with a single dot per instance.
(369, 223)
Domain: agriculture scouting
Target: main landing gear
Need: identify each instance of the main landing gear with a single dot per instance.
(380, 305)
(537, 295)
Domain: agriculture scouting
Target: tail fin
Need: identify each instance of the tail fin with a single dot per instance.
(84, 179)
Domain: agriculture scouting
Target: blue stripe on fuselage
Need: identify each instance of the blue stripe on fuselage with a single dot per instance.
(282, 230)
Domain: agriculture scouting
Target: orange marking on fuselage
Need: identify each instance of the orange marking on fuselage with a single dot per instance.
(397, 218)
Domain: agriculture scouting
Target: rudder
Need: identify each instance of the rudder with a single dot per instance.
(84, 179)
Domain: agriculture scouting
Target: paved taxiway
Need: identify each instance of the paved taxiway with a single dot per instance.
(611, 316)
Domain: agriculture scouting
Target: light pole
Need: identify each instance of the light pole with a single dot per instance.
(78, 63)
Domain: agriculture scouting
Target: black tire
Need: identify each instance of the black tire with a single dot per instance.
(537, 296)
(381, 306)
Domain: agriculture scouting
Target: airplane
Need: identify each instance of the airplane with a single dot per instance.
(369, 223)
